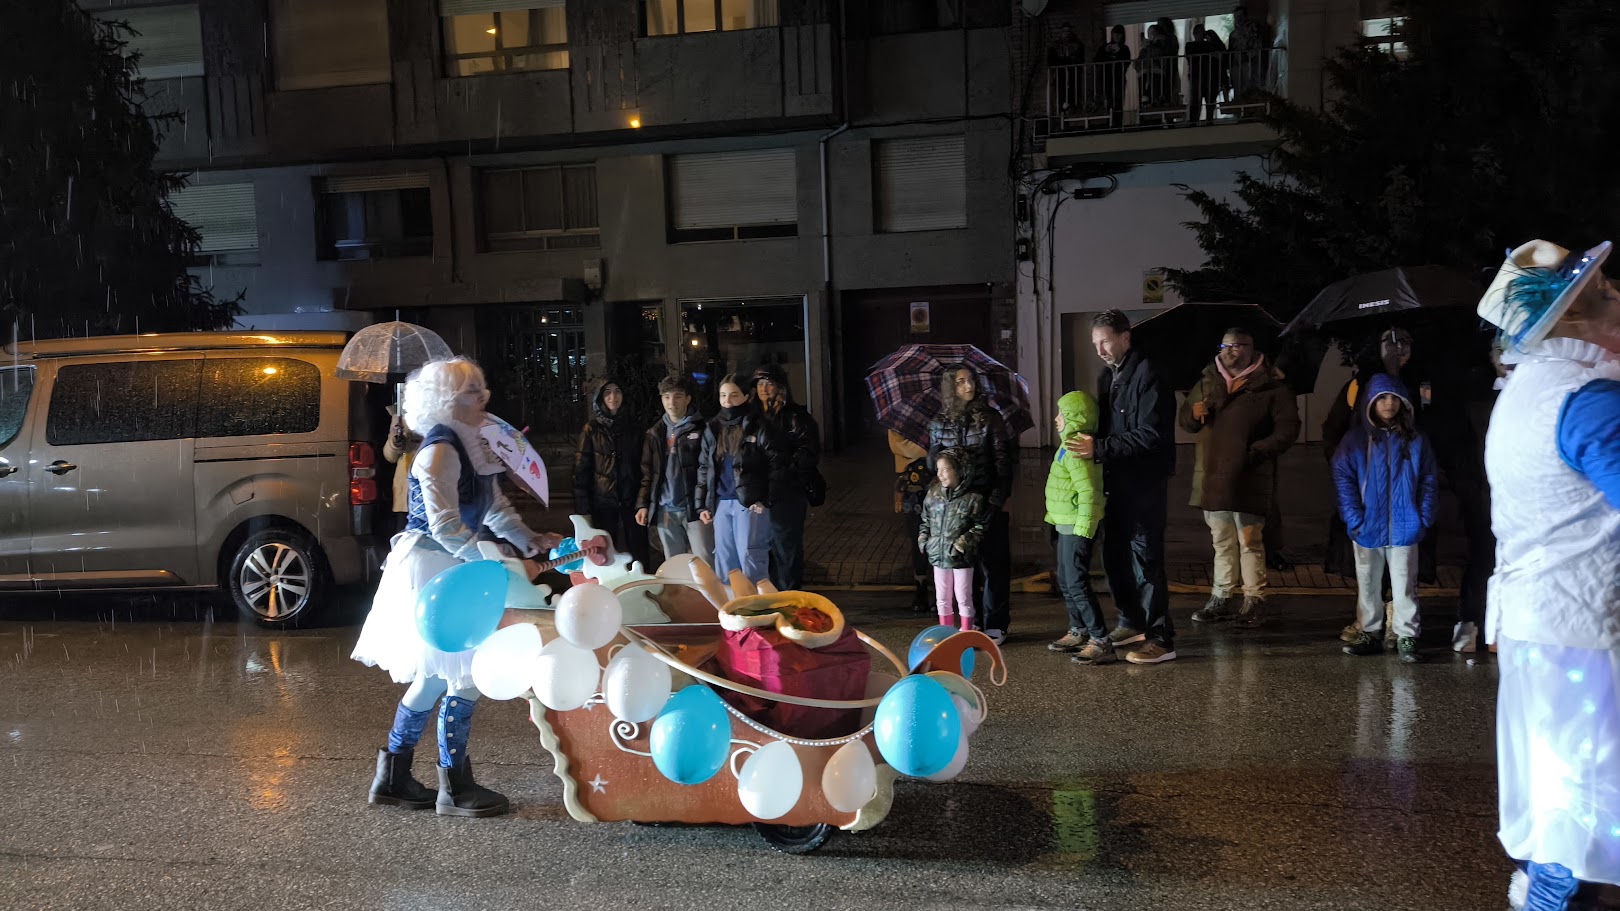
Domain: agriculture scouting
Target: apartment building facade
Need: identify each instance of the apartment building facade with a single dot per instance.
(568, 188)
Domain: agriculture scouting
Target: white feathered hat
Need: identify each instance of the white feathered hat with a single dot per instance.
(1536, 284)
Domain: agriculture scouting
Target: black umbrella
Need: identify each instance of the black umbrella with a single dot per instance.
(1391, 291)
(1184, 339)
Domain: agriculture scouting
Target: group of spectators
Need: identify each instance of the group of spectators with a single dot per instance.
(733, 490)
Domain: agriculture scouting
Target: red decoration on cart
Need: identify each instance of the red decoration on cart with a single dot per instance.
(764, 658)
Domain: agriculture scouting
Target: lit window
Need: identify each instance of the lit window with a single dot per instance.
(684, 17)
(490, 37)
(1385, 34)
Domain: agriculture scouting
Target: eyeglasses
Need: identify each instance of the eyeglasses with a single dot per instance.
(1235, 345)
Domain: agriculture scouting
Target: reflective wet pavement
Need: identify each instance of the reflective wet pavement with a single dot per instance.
(153, 758)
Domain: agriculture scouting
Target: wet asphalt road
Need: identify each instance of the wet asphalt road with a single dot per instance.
(153, 755)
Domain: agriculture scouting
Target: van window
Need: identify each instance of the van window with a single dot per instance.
(123, 402)
(16, 385)
(250, 396)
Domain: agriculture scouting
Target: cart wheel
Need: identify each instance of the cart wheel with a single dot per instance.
(794, 839)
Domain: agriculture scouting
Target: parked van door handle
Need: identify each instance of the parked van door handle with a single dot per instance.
(8, 470)
(60, 467)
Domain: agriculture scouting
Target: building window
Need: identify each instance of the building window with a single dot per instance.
(504, 36)
(920, 184)
(685, 17)
(225, 220)
(168, 39)
(900, 16)
(320, 44)
(375, 217)
(551, 208)
(733, 195)
(1385, 34)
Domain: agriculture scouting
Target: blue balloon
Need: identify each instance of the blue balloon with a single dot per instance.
(568, 546)
(458, 608)
(932, 636)
(916, 727)
(691, 737)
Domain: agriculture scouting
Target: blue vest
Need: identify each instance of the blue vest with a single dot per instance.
(474, 493)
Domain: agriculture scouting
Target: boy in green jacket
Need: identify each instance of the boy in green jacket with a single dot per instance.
(1074, 505)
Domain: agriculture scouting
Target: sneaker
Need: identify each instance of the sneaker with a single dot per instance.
(1071, 641)
(997, 636)
(1365, 644)
(1465, 637)
(1251, 615)
(1216, 609)
(1124, 635)
(1351, 632)
(1152, 653)
(1096, 651)
(1408, 648)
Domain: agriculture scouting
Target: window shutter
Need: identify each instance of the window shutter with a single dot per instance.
(921, 183)
(1136, 12)
(726, 189)
(222, 213)
(448, 8)
(321, 43)
(169, 39)
(368, 183)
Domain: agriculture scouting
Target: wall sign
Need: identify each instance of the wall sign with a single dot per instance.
(919, 317)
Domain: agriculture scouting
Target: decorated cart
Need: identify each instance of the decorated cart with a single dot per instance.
(677, 698)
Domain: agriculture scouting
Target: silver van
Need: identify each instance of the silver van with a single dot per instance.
(198, 460)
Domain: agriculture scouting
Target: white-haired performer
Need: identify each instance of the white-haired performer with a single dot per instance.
(1553, 458)
(453, 494)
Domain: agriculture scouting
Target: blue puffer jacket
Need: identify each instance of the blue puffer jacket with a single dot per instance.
(1387, 486)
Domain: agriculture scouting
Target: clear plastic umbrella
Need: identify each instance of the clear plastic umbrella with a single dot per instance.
(386, 352)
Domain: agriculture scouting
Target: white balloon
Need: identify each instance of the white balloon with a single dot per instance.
(971, 718)
(678, 567)
(503, 665)
(636, 685)
(589, 615)
(770, 781)
(850, 780)
(957, 762)
(565, 676)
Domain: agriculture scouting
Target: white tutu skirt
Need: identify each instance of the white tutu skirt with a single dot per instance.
(389, 639)
(1558, 756)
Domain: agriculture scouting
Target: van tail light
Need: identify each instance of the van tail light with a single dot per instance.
(362, 474)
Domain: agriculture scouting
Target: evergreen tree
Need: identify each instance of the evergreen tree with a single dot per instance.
(87, 239)
(1498, 127)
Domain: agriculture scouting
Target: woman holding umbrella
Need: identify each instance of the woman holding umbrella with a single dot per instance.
(968, 423)
(454, 496)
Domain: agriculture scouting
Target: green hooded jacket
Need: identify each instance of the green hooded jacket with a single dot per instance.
(1074, 489)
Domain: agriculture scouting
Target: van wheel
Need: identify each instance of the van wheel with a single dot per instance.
(279, 577)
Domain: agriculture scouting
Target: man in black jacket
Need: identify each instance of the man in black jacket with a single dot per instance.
(669, 466)
(1136, 444)
(607, 472)
(968, 423)
(796, 436)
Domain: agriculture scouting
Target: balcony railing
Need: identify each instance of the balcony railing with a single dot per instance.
(1158, 91)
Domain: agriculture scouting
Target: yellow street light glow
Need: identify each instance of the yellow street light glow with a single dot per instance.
(489, 31)
(270, 371)
(694, 343)
(635, 123)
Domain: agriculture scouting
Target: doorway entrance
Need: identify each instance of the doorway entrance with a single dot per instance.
(876, 323)
(720, 337)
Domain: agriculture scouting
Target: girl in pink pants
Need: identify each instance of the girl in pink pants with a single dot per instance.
(953, 520)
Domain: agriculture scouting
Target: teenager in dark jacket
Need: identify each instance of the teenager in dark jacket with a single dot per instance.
(796, 437)
(1136, 444)
(968, 423)
(735, 467)
(669, 468)
(607, 472)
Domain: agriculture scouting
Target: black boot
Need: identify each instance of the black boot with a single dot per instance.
(459, 795)
(394, 785)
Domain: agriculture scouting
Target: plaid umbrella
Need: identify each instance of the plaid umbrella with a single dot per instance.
(905, 388)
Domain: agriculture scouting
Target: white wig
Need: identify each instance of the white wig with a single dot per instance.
(430, 392)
